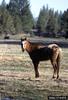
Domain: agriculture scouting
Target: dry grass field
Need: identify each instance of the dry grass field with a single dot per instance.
(17, 79)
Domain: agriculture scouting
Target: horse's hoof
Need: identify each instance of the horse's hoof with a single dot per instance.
(37, 76)
(53, 77)
(57, 77)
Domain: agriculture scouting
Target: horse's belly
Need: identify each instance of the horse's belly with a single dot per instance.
(44, 57)
(41, 55)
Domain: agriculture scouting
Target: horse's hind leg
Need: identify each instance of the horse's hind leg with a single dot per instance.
(58, 65)
(54, 67)
(57, 72)
(54, 73)
(36, 69)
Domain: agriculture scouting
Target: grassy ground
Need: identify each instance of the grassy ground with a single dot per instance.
(17, 79)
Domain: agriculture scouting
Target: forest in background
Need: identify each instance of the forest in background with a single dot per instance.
(16, 17)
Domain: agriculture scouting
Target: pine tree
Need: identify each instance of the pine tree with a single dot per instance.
(20, 10)
(43, 18)
(6, 21)
(51, 22)
(64, 20)
(10, 25)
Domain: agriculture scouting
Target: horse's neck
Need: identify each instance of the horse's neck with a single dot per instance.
(31, 47)
(34, 47)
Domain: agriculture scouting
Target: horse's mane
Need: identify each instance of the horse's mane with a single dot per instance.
(36, 45)
(33, 46)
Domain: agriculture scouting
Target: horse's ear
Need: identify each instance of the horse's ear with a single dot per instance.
(25, 38)
(22, 39)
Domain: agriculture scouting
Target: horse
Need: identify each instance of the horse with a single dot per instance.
(39, 53)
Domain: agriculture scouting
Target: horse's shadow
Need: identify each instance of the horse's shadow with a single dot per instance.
(61, 80)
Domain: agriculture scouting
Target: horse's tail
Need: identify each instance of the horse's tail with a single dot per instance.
(59, 57)
(57, 53)
(60, 53)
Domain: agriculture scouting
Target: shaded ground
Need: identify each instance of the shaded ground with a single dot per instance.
(17, 79)
(60, 41)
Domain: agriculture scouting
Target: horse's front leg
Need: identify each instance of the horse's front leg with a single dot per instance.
(36, 69)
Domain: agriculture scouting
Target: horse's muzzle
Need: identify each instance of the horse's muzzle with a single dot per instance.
(22, 50)
(22, 47)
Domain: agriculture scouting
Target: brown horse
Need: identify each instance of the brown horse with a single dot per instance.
(39, 53)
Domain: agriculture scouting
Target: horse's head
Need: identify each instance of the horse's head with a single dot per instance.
(28, 46)
(22, 40)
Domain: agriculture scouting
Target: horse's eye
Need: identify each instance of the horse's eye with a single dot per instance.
(25, 43)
